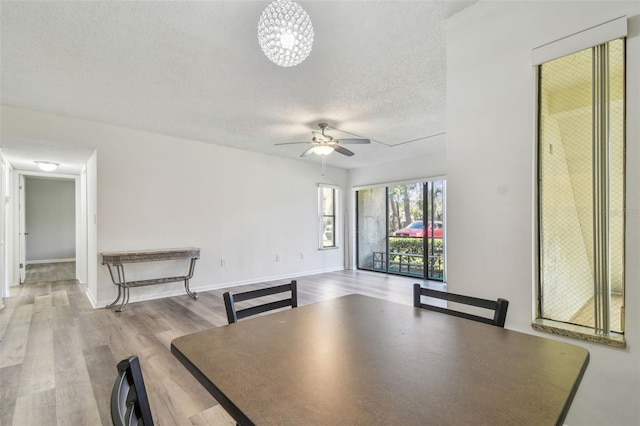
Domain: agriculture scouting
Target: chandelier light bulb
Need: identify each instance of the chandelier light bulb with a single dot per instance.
(285, 33)
(287, 40)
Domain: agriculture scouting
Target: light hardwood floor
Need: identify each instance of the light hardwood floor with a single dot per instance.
(58, 355)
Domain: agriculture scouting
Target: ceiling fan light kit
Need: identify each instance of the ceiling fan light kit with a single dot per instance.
(285, 33)
(324, 144)
(322, 149)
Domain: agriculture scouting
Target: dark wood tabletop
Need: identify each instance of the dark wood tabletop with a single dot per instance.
(361, 360)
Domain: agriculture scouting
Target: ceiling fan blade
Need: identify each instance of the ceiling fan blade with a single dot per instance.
(307, 152)
(354, 141)
(290, 143)
(341, 150)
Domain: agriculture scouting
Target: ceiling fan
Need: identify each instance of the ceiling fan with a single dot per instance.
(324, 144)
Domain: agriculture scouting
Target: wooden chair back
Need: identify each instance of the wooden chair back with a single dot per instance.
(230, 300)
(129, 402)
(499, 307)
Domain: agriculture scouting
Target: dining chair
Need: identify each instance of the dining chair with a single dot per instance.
(129, 402)
(499, 306)
(230, 300)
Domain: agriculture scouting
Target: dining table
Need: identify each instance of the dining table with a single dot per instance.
(360, 360)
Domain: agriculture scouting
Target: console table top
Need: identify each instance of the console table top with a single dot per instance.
(133, 256)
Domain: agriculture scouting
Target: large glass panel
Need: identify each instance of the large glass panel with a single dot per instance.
(434, 244)
(400, 229)
(617, 181)
(372, 229)
(576, 185)
(406, 229)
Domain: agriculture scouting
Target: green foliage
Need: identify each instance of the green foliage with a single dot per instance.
(413, 245)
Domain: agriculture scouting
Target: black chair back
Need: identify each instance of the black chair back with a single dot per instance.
(129, 402)
(499, 307)
(230, 299)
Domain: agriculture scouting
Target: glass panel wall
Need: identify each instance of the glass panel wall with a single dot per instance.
(371, 229)
(406, 229)
(434, 242)
(581, 164)
(400, 229)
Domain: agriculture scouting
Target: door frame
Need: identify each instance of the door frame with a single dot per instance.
(80, 222)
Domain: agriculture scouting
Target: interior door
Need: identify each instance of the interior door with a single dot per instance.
(21, 232)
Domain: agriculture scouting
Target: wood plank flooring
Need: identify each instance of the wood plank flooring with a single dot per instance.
(58, 355)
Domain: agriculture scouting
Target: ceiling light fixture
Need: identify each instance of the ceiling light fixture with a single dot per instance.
(47, 166)
(285, 33)
(322, 149)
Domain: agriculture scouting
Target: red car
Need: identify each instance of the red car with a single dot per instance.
(416, 229)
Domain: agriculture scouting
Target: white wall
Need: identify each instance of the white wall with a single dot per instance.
(424, 166)
(156, 191)
(490, 172)
(50, 213)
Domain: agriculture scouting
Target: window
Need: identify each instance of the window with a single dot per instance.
(581, 194)
(328, 196)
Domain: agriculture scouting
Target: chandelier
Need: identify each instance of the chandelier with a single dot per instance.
(285, 33)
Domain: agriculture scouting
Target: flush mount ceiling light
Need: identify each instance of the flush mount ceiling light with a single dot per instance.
(285, 33)
(47, 166)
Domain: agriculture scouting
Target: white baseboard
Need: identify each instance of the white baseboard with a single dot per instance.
(178, 288)
(35, 262)
(93, 302)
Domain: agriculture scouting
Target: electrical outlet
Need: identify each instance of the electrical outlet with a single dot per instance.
(277, 258)
(301, 256)
(223, 263)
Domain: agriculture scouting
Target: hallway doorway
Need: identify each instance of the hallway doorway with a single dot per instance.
(50, 272)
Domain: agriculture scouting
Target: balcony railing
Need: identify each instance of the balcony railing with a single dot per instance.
(408, 264)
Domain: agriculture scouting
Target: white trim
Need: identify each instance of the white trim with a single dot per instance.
(47, 175)
(589, 37)
(178, 287)
(327, 185)
(36, 262)
(399, 182)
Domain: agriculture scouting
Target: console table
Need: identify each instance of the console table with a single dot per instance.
(116, 260)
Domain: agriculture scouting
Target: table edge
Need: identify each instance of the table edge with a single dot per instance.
(574, 388)
(217, 394)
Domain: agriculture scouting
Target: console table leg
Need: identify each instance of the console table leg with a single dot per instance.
(117, 283)
(192, 294)
(125, 299)
(110, 305)
(192, 266)
(125, 288)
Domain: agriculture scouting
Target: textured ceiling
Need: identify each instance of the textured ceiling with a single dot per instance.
(195, 70)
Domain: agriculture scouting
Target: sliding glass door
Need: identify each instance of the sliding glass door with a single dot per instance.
(400, 229)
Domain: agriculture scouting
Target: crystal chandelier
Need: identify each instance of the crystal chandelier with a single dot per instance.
(285, 33)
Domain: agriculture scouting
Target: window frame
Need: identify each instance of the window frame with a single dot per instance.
(321, 216)
(591, 334)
